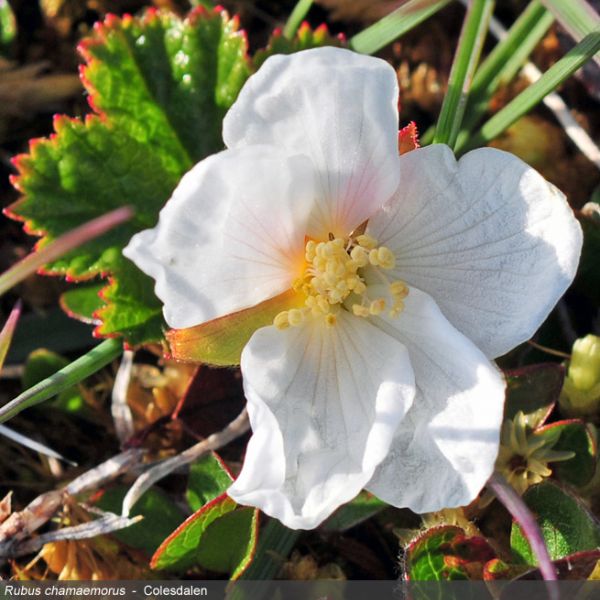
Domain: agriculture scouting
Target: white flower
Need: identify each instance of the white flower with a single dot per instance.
(379, 375)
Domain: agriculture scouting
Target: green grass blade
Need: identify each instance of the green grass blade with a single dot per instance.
(578, 17)
(394, 25)
(504, 62)
(71, 375)
(295, 19)
(466, 58)
(535, 93)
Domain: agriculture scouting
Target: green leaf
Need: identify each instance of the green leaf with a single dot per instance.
(566, 523)
(82, 302)
(534, 390)
(304, 39)
(178, 551)
(208, 479)
(64, 379)
(573, 436)
(467, 54)
(363, 507)
(447, 553)
(229, 543)
(43, 363)
(395, 25)
(161, 516)
(160, 86)
(219, 536)
(536, 92)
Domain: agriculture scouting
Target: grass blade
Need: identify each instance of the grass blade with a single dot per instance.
(471, 40)
(71, 375)
(19, 438)
(295, 19)
(8, 330)
(504, 62)
(578, 17)
(535, 93)
(394, 25)
(78, 236)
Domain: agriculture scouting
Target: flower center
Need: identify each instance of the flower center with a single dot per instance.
(333, 280)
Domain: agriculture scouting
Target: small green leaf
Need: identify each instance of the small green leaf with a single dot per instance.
(534, 390)
(447, 553)
(160, 87)
(218, 536)
(161, 516)
(208, 479)
(81, 302)
(573, 436)
(363, 507)
(229, 543)
(566, 523)
(178, 551)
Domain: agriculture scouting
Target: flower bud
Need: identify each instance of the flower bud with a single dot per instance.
(580, 395)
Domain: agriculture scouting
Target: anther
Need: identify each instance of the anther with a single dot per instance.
(360, 311)
(281, 320)
(366, 241)
(377, 306)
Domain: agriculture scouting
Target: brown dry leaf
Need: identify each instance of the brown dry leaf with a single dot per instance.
(95, 559)
(306, 568)
(26, 89)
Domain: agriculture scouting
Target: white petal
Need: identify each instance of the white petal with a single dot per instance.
(488, 237)
(231, 236)
(340, 109)
(445, 448)
(324, 404)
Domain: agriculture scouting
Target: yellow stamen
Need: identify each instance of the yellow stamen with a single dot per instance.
(333, 280)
